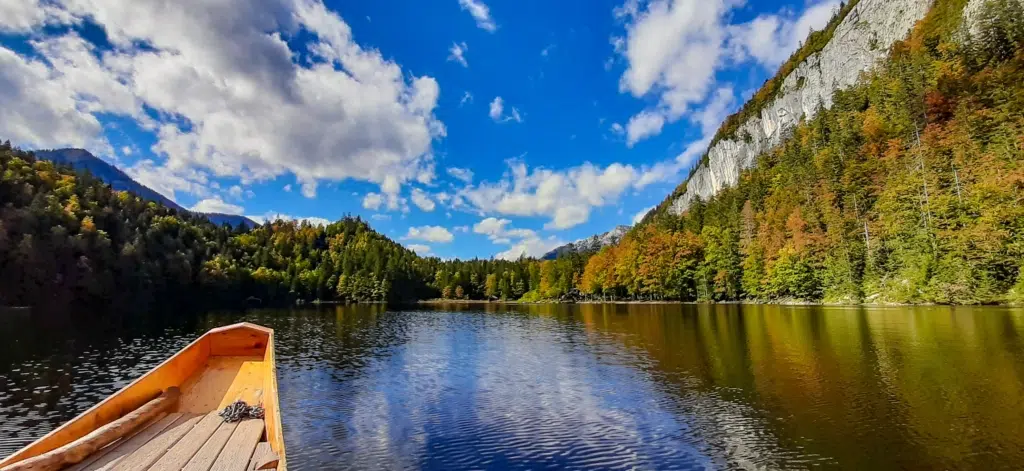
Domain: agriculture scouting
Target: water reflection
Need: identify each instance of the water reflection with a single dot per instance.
(589, 386)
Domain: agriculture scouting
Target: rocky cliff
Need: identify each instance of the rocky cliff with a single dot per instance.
(860, 40)
(590, 244)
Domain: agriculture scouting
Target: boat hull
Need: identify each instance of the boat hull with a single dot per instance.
(226, 364)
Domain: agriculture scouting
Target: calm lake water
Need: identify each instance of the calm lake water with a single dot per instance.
(586, 387)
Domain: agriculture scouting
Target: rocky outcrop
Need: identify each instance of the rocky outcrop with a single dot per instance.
(590, 244)
(971, 11)
(859, 41)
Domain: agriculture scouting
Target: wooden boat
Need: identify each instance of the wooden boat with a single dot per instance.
(168, 419)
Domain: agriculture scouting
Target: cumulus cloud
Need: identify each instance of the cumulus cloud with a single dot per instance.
(497, 112)
(273, 216)
(457, 53)
(231, 100)
(522, 242)
(436, 234)
(22, 16)
(643, 125)
(708, 118)
(481, 13)
(420, 249)
(464, 174)
(496, 108)
(566, 197)
(168, 181)
(771, 39)
(640, 215)
(530, 248)
(217, 205)
(373, 201)
(675, 48)
(466, 98)
(422, 200)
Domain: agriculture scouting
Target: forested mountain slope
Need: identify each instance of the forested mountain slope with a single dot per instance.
(83, 160)
(69, 239)
(910, 188)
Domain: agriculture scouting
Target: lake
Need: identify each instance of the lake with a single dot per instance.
(584, 386)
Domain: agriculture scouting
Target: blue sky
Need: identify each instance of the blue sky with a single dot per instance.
(461, 128)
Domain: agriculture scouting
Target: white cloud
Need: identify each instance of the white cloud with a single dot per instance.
(498, 230)
(381, 217)
(235, 192)
(373, 201)
(288, 188)
(709, 118)
(547, 50)
(168, 181)
(771, 39)
(436, 234)
(126, 151)
(272, 216)
(675, 48)
(420, 249)
(21, 16)
(497, 108)
(217, 205)
(230, 97)
(464, 174)
(640, 215)
(461, 228)
(523, 242)
(457, 53)
(617, 129)
(422, 200)
(466, 98)
(530, 248)
(497, 112)
(480, 13)
(566, 197)
(645, 124)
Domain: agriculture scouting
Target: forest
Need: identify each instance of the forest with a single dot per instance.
(66, 237)
(910, 189)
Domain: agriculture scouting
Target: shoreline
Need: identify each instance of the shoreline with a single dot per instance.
(750, 303)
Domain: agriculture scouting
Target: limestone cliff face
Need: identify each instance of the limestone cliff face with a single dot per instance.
(971, 11)
(859, 41)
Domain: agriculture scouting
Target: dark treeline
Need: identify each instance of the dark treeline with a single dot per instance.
(66, 237)
(909, 189)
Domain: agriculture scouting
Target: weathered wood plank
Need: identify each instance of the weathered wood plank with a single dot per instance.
(239, 449)
(263, 458)
(207, 455)
(99, 454)
(80, 449)
(183, 451)
(147, 454)
(119, 452)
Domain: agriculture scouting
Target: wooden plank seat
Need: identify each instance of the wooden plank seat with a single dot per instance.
(193, 442)
(166, 420)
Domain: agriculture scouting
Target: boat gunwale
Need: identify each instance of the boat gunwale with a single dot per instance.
(109, 405)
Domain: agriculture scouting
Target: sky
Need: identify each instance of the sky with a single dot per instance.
(459, 128)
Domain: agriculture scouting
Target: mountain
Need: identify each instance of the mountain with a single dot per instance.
(832, 59)
(590, 244)
(81, 159)
(903, 187)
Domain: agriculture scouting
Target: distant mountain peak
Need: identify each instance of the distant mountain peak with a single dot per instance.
(83, 160)
(589, 244)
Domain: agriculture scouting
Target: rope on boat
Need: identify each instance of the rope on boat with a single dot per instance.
(239, 410)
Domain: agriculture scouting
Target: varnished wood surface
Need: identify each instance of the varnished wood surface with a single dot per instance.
(225, 364)
(183, 451)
